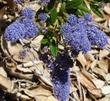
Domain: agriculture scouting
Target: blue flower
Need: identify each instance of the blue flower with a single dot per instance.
(86, 20)
(76, 37)
(61, 84)
(61, 78)
(47, 60)
(66, 28)
(42, 16)
(79, 42)
(66, 31)
(27, 12)
(72, 19)
(17, 1)
(30, 27)
(88, 17)
(44, 2)
(15, 31)
(97, 37)
(21, 29)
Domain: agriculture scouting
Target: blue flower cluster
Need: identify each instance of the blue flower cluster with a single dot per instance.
(61, 78)
(30, 27)
(81, 33)
(42, 16)
(17, 1)
(15, 31)
(72, 19)
(61, 84)
(96, 36)
(20, 29)
(27, 12)
(44, 2)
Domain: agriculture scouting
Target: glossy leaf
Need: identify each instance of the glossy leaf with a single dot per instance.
(45, 41)
(53, 48)
(53, 15)
(74, 4)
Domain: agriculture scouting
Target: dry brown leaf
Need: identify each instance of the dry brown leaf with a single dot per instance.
(2, 12)
(109, 23)
(36, 43)
(82, 59)
(104, 65)
(61, 47)
(23, 70)
(107, 8)
(72, 88)
(12, 51)
(3, 72)
(30, 63)
(51, 98)
(103, 53)
(96, 92)
(41, 91)
(99, 72)
(98, 83)
(89, 56)
(34, 6)
(107, 77)
(105, 90)
(23, 97)
(44, 77)
(5, 83)
(86, 82)
(97, 18)
(105, 98)
(76, 96)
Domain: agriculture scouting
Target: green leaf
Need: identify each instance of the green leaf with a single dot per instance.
(53, 48)
(96, 10)
(44, 41)
(53, 15)
(62, 9)
(74, 3)
(84, 9)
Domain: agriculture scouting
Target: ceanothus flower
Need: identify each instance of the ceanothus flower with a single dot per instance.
(96, 36)
(61, 78)
(15, 31)
(42, 16)
(30, 27)
(72, 19)
(61, 83)
(27, 12)
(47, 60)
(79, 42)
(88, 17)
(21, 29)
(66, 28)
(17, 1)
(44, 2)
(76, 37)
(66, 31)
